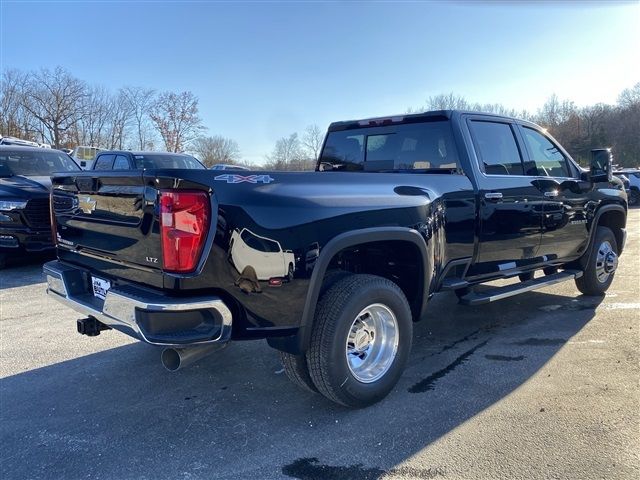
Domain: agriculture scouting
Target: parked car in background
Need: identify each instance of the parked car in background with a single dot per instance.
(124, 160)
(85, 156)
(19, 142)
(25, 225)
(631, 180)
(226, 166)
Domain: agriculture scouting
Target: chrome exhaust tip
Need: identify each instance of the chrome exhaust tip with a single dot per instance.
(174, 359)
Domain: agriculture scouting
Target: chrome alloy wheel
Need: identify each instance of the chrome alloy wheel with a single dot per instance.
(372, 343)
(606, 262)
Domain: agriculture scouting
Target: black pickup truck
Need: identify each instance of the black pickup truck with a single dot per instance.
(332, 267)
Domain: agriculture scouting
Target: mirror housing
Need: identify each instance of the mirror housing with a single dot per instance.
(601, 165)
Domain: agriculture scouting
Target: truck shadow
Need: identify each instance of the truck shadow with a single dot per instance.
(118, 414)
(22, 271)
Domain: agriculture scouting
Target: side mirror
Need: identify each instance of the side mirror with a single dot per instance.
(601, 165)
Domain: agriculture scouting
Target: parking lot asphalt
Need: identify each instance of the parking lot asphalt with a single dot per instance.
(541, 385)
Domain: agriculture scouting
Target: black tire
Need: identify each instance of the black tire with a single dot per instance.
(336, 312)
(290, 272)
(331, 277)
(295, 367)
(525, 277)
(589, 283)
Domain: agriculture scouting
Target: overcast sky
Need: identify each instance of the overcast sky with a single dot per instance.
(263, 70)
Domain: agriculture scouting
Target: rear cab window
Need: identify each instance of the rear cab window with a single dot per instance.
(415, 147)
(166, 160)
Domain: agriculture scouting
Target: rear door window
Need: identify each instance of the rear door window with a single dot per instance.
(496, 146)
(104, 162)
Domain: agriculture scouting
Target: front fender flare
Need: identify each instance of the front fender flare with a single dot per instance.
(594, 226)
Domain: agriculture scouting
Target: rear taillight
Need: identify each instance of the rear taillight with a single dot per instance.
(184, 222)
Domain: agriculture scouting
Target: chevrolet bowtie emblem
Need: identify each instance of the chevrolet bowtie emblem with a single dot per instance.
(86, 204)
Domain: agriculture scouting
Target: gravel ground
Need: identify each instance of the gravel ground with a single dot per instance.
(542, 385)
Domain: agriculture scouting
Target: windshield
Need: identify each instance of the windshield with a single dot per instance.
(416, 147)
(34, 163)
(167, 161)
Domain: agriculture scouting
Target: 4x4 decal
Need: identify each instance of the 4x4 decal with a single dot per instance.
(234, 178)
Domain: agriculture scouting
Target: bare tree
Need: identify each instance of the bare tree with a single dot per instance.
(54, 99)
(630, 97)
(175, 116)
(311, 140)
(446, 101)
(288, 154)
(140, 101)
(216, 149)
(94, 116)
(14, 119)
(451, 101)
(555, 112)
(119, 121)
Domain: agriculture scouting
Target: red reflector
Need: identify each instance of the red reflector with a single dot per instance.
(275, 282)
(184, 221)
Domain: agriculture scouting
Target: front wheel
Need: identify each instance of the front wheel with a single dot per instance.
(360, 341)
(603, 261)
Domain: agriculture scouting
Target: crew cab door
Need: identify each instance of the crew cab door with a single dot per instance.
(510, 204)
(564, 223)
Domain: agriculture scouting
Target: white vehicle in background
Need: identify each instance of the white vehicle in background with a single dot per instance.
(20, 142)
(225, 166)
(263, 254)
(85, 156)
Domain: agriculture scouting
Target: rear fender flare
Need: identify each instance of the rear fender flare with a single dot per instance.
(337, 244)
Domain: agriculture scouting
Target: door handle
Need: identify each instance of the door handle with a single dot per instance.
(551, 194)
(493, 196)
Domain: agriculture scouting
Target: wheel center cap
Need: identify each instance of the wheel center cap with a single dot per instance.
(361, 340)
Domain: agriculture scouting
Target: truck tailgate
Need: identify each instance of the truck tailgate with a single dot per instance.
(111, 216)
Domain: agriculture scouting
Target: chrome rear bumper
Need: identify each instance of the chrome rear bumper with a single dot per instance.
(151, 317)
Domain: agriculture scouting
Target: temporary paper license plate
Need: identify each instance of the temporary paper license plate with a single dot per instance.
(100, 287)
